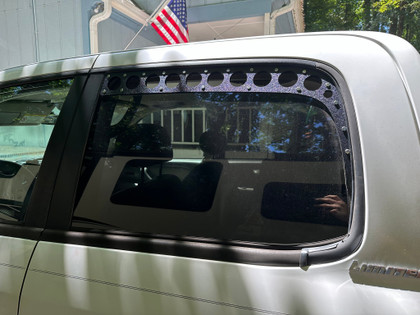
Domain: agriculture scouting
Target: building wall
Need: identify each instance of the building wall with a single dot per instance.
(228, 10)
(59, 28)
(17, 43)
(39, 30)
(118, 30)
(283, 24)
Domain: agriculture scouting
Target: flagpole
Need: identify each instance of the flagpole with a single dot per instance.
(163, 2)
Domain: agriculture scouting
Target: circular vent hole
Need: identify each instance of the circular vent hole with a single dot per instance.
(262, 78)
(238, 79)
(312, 83)
(288, 79)
(114, 83)
(132, 82)
(215, 79)
(328, 94)
(152, 81)
(172, 80)
(193, 79)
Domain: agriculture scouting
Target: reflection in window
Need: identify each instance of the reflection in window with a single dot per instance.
(245, 167)
(28, 114)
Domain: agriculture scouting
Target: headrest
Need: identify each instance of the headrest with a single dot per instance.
(213, 144)
(145, 140)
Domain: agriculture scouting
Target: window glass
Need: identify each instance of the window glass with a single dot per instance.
(255, 167)
(27, 117)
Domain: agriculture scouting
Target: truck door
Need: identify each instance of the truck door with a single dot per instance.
(184, 192)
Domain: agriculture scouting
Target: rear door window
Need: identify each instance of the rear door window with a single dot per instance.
(253, 157)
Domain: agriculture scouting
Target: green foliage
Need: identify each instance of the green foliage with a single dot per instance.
(386, 5)
(399, 17)
(331, 15)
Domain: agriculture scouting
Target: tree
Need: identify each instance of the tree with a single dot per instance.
(399, 17)
(402, 17)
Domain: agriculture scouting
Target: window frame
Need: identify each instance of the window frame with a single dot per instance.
(64, 198)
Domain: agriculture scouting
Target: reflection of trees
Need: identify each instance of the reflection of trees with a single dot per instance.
(274, 127)
(276, 124)
(42, 99)
(55, 91)
(296, 129)
(261, 122)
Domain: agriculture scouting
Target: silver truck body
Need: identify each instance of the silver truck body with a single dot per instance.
(373, 269)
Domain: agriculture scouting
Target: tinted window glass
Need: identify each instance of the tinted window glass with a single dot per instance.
(27, 117)
(258, 167)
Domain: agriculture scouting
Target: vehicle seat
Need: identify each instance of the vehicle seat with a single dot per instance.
(150, 145)
(199, 186)
(144, 140)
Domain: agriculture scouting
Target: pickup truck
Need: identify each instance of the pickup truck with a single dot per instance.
(266, 175)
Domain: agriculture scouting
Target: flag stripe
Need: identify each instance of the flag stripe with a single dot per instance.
(175, 23)
(182, 29)
(171, 22)
(172, 26)
(163, 28)
(161, 34)
(168, 27)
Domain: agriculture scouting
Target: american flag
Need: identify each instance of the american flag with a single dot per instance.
(171, 22)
